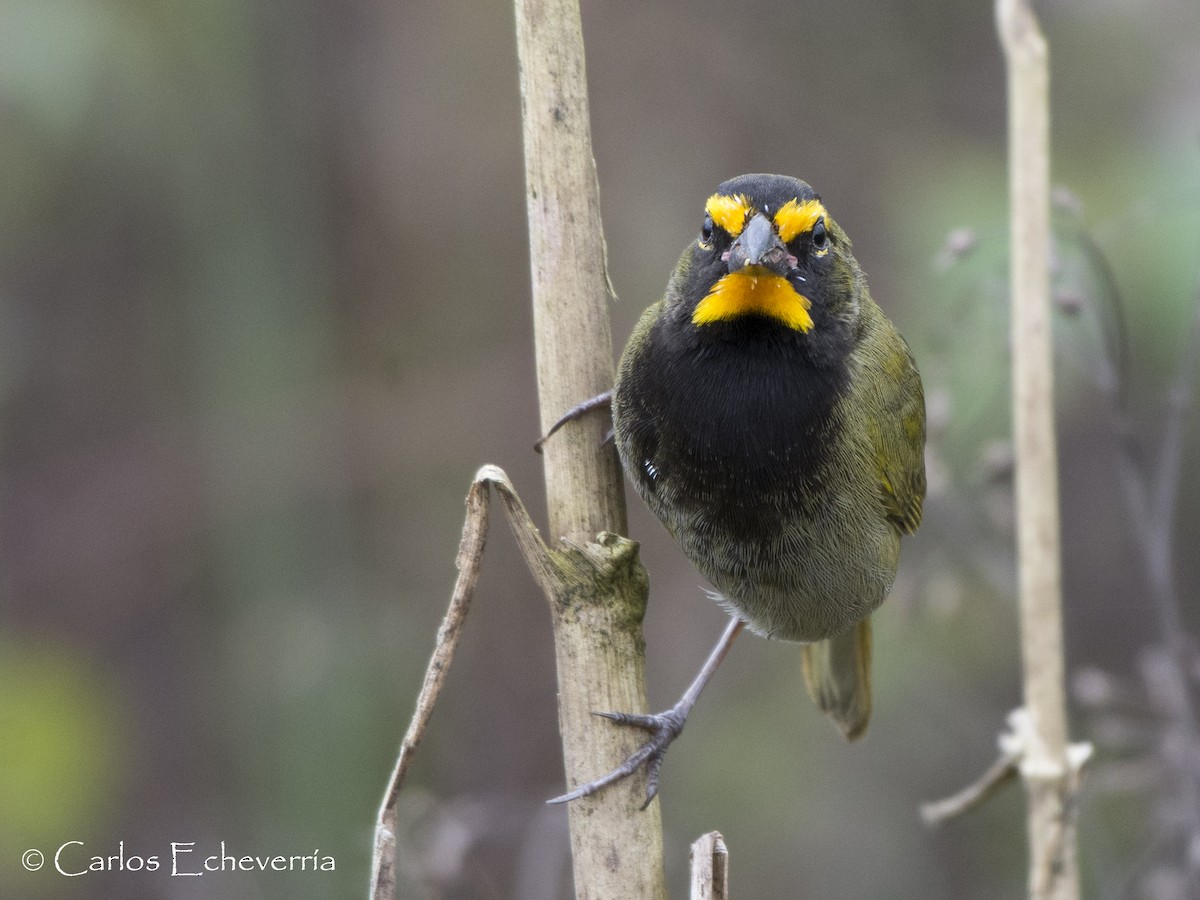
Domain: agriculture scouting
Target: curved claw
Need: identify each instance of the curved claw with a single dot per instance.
(597, 402)
(664, 728)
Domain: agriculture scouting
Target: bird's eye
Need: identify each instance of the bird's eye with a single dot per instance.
(706, 230)
(820, 240)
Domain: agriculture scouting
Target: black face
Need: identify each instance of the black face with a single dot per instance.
(739, 240)
(774, 229)
(767, 250)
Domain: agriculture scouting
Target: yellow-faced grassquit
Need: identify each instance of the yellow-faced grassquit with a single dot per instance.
(773, 419)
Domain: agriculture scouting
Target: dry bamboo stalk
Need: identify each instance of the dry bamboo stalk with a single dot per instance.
(1050, 779)
(616, 850)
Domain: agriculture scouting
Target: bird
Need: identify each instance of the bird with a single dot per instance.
(772, 418)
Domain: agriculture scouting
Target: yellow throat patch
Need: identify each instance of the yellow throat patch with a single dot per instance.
(755, 290)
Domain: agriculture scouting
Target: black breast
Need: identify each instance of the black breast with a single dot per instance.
(737, 417)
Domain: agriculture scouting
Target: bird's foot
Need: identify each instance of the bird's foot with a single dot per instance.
(664, 727)
(600, 401)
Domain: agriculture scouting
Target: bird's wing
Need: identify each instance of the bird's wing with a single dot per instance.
(898, 434)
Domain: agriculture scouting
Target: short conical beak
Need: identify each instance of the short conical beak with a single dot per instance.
(759, 245)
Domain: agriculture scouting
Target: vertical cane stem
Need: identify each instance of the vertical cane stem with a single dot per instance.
(1044, 767)
(617, 851)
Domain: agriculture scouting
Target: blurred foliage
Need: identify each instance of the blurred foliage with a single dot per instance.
(54, 706)
(264, 311)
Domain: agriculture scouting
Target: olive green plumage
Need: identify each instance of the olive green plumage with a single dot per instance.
(775, 424)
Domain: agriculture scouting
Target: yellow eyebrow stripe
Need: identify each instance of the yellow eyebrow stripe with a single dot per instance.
(795, 218)
(729, 212)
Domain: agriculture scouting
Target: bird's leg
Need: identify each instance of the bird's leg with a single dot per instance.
(600, 400)
(664, 727)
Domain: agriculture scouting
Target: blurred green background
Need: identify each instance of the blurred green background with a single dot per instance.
(264, 310)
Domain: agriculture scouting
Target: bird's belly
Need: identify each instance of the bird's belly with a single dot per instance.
(794, 576)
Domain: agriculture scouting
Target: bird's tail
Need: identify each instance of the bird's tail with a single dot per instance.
(838, 674)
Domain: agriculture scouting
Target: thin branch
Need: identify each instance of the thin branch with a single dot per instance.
(574, 569)
(470, 558)
(1001, 772)
(1014, 749)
